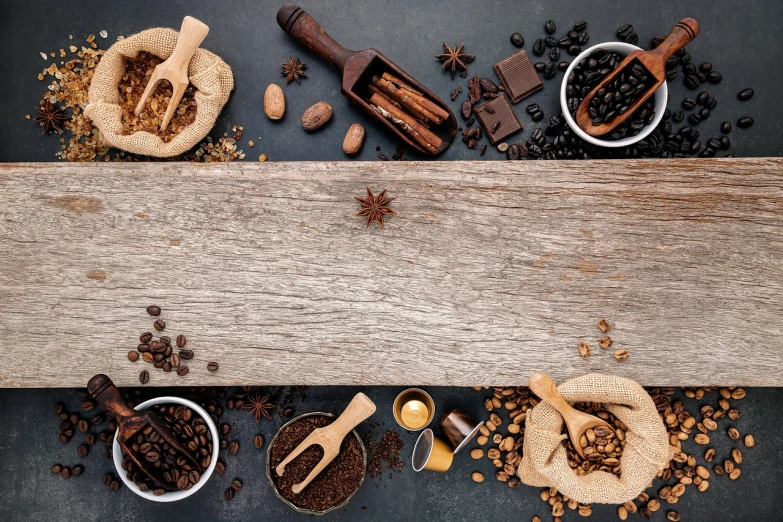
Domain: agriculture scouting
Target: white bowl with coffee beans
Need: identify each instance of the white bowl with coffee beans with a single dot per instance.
(179, 494)
(660, 99)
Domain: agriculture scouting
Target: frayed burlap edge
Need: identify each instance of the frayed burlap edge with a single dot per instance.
(208, 73)
(647, 449)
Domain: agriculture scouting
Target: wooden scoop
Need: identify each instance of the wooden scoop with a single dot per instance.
(130, 422)
(654, 61)
(175, 69)
(358, 68)
(577, 422)
(330, 438)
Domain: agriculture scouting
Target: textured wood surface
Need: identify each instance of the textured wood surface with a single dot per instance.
(489, 272)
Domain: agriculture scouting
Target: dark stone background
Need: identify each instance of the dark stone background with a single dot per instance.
(741, 39)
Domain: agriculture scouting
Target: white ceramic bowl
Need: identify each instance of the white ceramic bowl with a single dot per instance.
(170, 496)
(661, 97)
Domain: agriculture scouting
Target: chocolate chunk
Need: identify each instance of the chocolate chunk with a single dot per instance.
(498, 119)
(518, 76)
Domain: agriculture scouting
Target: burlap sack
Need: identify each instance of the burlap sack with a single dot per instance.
(647, 449)
(209, 74)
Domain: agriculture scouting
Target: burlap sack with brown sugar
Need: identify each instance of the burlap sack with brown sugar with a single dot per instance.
(208, 73)
(647, 449)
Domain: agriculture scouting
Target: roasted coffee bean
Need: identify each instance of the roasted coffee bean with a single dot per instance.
(174, 360)
(236, 484)
(714, 77)
(551, 42)
(688, 104)
(550, 27)
(532, 108)
(143, 348)
(725, 127)
(488, 85)
(704, 113)
(229, 494)
(691, 69)
(632, 39)
(692, 82)
(537, 116)
(83, 450)
(56, 469)
(83, 426)
(517, 40)
(725, 143)
(563, 66)
(554, 54)
(711, 103)
(144, 377)
(678, 116)
(65, 472)
(580, 26)
(538, 47)
(671, 75)
(258, 441)
(745, 94)
(715, 144)
(708, 152)
(705, 67)
(153, 310)
(212, 366)
(694, 119)
(220, 467)
(145, 337)
(133, 356)
(702, 97)
(288, 412)
(185, 355)
(181, 341)
(574, 49)
(744, 123)
(624, 31)
(583, 38)
(233, 447)
(550, 71)
(166, 366)
(564, 42)
(671, 63)
(539, 66)
(159, 325)
(182, 370)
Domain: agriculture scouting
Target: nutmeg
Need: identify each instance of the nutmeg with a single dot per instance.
(353, 139)
(274, 102)
(315, 116)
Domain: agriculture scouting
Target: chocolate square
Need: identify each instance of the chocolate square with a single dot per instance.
(497, 110)
(518, 75)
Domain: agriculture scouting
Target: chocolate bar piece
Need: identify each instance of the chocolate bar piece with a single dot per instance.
(518, 76)
(498, 119)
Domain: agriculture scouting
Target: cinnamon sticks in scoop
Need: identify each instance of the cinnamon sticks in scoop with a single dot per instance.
(406, 108)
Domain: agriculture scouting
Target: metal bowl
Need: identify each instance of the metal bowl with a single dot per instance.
(274, 486)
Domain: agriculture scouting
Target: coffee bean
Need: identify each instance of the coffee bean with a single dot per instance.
(551, 42)
(233, 447)
(133, 356)
(621, 355)
(174, 360)
(538, 47)
(185, 355)
(688, 104)
(288, 412)
(692, 82)
(56, 469)
(537, 116)
(181, 341)
(532, 108)
(144, 377)
(744, 123)
(83, 426)
(678, 116)
(725, 143)
(574, 49)
(82, 450)
(65, 472)
(153, 310)
(236, 484)
(165, 366)
(159, 325)
(143, 348)
(258, 441)
(714, 77)
(624, 30)
(212, 366)
(539, 66)
(114, 485)
(671, 75)
(517, 40)
(550, 27)
(704, 113)
(565, 41)
(580, 26)
(554, 54)
(182, 370)
(477, 476)
(632, 39)
(229, 494)
(220, 467)
(702, 97)
(694, 119)
(745, 94)
(550, 71)
(145, 337)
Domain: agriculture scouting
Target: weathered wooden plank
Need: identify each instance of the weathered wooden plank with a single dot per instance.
(489, 272)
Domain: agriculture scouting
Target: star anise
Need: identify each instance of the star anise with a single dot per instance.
(455, 58)
(259, 406)
(374, 207)
(293, 70)
(51, 117)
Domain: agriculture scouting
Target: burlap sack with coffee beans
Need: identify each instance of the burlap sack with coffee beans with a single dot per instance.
(208, 73)
(646, 452)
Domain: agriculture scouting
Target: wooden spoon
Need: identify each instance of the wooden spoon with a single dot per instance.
(130, 422)
(330, 438)
(577, 422)
(358, 68)
(175, 68)
(654, 61)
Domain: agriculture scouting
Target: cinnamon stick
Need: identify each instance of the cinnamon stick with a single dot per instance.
(418, 132)
(417, 96)
(405, 98)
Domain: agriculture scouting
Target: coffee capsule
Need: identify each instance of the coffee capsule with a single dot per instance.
(431, 453)
(459, 428)
(413, 409)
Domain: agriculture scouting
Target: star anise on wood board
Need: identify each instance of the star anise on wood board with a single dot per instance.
(51, 117)
(259, 406)
(293, 70)
(374, 207)
(455, 58)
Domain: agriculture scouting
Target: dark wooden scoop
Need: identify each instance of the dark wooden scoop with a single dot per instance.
(358, 69)
(654, 61)
(130, 422)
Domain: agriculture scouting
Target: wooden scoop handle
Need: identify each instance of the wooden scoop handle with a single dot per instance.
(104, 391)
(191, 34)
(686, 30)
(546, 389)
(294, 21)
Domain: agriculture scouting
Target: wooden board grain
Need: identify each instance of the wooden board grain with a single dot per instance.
(489, 272)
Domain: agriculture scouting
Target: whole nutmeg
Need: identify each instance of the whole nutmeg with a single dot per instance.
(315, 116)
(353, 139)
(274, 102)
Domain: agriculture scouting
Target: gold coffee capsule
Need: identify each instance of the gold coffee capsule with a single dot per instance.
(431, 453)
(413, 409)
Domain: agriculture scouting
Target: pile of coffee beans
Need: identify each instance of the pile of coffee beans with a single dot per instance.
(150, 447)
(335, 484)
(614, 99)
(572, 42)
(160, 352)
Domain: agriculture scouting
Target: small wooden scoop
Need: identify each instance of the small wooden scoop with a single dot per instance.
(654, 61)
(175, 68)
(358, 70)
(577, 422)
(130, 422)
(330, 438)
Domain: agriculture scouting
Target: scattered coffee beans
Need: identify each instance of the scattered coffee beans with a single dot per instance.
(153, 310)
(517, 40)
